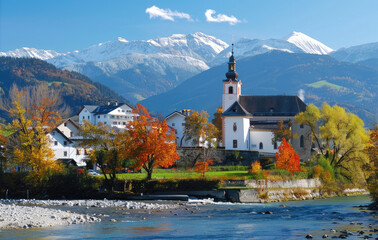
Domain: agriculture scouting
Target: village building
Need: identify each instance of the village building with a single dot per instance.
(112, 115)
(65, 144)
(250, 120)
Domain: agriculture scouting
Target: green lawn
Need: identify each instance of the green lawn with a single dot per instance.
(169, 174)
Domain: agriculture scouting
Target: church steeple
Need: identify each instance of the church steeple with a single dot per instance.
(232, 74)
(231, 85)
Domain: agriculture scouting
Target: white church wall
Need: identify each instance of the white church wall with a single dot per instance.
(240, 135)
(264, 137)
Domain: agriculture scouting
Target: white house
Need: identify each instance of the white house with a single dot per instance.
(64, 144)
(176, 120)
(249, 121)
(112, 115)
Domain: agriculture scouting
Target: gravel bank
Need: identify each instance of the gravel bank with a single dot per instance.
(15, 216)
(92, 203)
(27, 213)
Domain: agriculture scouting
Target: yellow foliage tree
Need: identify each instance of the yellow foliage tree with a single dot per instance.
(30, 146)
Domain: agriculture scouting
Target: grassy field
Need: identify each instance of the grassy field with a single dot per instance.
(323, 83)
(169, 174)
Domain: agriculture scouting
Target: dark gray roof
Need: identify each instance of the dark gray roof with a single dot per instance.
(90, 108)
(272, 105)
(235, 110)
(107, 108)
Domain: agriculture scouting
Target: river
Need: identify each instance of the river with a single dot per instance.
(284, 220)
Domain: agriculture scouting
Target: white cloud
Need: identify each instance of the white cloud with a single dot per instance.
(166, 14)
(220, 17)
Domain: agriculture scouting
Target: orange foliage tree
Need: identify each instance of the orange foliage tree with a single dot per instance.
(286, 158)
(152, 142)
(203, 167)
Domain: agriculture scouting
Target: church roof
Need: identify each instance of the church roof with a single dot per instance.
(272, 105)
(236, 110)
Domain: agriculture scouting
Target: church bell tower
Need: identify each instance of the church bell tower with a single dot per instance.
(231, 85)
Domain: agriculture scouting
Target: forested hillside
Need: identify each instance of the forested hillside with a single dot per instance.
(36, 79)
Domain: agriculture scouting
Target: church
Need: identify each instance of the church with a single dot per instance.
(249, 120)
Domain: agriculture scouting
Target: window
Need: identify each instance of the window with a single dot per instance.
(124, 123)
(88, 117)
(235, 143)
(83, 117)
(105, 122)
(65, 124)
(86, 151)
(71, 134)
(175, 131)
(56, 143)
(275, 145)
(230, 90)
(301, 142)
(261, 145)
(65, 153)
(173, 124)
(183, 124)
(301, 126)
(78, 151)
(53, 133)
(98, 116)
(65, 143)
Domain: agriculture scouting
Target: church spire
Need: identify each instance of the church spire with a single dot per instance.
(232, 74)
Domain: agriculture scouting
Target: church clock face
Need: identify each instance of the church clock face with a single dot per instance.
(235, 127)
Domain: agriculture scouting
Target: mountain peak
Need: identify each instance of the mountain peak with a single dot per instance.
(307, 44)
(31, 53)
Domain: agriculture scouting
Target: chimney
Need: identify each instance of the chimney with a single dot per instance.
(116, 103)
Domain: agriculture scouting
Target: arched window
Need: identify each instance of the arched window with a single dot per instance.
(230, 90)
(261, 145)
(275, 145)
(301, 143)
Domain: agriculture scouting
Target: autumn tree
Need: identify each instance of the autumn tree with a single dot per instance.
(29, 146)
(3, 158)
(340, 137)
(282, 132)
(217, 122)
(198, 130)
(152, 142)
(203, 167)
(286, 158)
(372, 167)
(106, 146)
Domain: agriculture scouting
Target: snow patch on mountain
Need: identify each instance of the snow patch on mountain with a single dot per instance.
(31, 53)
(307, 44)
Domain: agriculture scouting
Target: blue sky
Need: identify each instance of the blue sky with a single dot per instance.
(76, 24)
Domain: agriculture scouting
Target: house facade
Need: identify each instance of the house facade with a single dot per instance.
(112, 115)
(64, 143)
(249, 121)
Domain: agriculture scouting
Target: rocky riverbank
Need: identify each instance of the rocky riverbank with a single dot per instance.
(23, 213)
(16, 216)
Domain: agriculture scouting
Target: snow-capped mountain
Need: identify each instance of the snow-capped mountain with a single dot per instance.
(295, 42)
(357, 53)
(198, 45)
(307, 44)
(31, 53)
